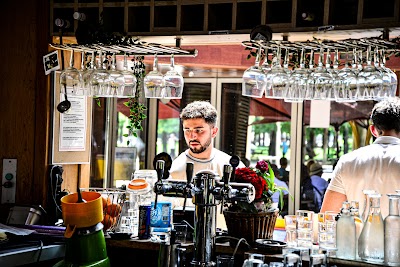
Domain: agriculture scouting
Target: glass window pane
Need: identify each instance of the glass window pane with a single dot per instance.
(256, 129)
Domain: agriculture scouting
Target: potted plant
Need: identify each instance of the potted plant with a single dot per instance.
(255, 220)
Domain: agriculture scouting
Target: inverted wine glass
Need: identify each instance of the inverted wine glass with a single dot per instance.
(369, 80)
(86, 73)
(70, 78)
(321, 80)
(349, 91)
(100, 78)
(278, 78)
(298, 82)
(117, 81)
(254, 79)
(130, 81)
(389, 78)
(173, 83)
(154, 82)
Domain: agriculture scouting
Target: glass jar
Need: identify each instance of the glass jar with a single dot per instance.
(392, 232)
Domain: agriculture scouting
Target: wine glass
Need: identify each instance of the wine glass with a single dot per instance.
(130, 81)
(254, 79)
(349, 91)
(298, 82)
(310, 83)
(173, 83)
(389, 78)
(154, 82)
(86, 73)
(117, 81)
(100, 78)
(278, 77)
(369, 80)
(70, 78)
(321, 80)
(338, 85)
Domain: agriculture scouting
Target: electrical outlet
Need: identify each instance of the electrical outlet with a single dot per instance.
(9, 181)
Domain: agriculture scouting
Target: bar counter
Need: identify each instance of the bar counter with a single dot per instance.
(146, 252)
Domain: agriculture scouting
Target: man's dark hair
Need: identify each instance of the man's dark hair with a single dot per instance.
(283, 162)
(200, 110)
(386, 115)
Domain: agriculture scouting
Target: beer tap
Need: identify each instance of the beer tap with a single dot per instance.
(226, 190)
(159, 184)
(189, 175)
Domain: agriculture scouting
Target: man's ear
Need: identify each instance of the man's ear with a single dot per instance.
(214, 131)
(373, 130)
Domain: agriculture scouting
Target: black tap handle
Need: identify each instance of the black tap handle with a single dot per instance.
(189, 175)
(160, 172)
(225, 178)
(234, 161)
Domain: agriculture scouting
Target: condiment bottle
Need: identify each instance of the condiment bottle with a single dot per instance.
(346, 234)
(371, 241)
(392, 232)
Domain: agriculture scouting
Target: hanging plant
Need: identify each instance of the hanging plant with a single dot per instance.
(137, 110)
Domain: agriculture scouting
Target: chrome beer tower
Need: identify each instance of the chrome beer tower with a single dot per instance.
(206, 191)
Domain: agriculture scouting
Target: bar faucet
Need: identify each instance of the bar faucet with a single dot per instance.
(206, 190)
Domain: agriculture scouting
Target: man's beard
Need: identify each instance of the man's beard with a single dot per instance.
(202, 148)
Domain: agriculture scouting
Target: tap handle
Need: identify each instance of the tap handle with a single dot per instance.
(189, 175)
(225, 178)
(160, 172)
(234, 161)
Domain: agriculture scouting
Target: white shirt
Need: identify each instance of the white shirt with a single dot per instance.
(216, 163)
(376, 166)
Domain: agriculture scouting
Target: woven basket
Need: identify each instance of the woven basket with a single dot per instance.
(251, 226)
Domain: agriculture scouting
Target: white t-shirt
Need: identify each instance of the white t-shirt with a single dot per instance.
(376, 166)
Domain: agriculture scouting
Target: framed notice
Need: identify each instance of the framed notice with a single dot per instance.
(71, 129)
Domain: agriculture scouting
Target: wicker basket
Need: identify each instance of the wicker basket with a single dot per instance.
(251, 226)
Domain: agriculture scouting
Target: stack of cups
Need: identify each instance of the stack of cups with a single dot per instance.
(327, 230)
(305, 233)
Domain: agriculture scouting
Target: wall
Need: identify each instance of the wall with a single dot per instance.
(24, 95)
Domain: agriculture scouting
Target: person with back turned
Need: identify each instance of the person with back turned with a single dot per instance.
(376, 166)
(199, 121)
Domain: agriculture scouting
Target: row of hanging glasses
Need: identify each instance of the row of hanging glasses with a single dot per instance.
(101, 80)
(98, 79)
(325, 80)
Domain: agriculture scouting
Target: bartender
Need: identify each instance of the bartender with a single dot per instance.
(376, 166)
(199, 121)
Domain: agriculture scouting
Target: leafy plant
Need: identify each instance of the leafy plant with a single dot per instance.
(137, 110)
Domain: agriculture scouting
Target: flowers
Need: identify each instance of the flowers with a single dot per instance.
(262, 178)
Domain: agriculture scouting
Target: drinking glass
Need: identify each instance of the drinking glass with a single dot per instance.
(130, 81)
(86, 73)
(321, 81)
(291, 230)
(310, 83)
(154, 82)
(305, 229)
(369, 80)
(173, 83)
(278, 78)
(338, 84)
(100, 78)
(349, 91)
(117, 81)
(254, 79)
(298, 82)
(70, 78)
(389, 78)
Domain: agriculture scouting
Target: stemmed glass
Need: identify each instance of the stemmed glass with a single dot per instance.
(310, 85)
(338, 84)
(349, 91)
(86, 73)
(117, 81)
(298, 82)
(321, 80)
(389, 78)
(278, 77)
(173, 83)
(130, 81)
(100, 78)
(369, 80)
(254, 79)
(154, 82)
(70, 78)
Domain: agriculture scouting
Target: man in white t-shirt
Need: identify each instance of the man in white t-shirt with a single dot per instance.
(376, 166)
(199, 121)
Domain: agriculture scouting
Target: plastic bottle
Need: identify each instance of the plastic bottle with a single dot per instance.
(355, 212)
(371, 241)
(346, 234)
(392, 232)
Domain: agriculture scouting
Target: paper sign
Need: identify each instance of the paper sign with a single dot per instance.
(320, 113)
(51, 62)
